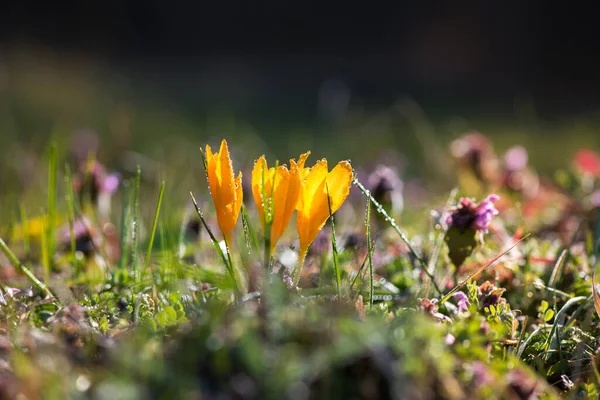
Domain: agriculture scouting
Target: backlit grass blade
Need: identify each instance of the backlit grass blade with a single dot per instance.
(215, 242)
(71, 215)
(336, 261)
(134, 219)
(46, 256)
(358, 273)
(379, 208)
(127, 199)
(249, 232)
(560, 262)
(51, 221)
(370, 255)
(15, 261)
(557, 318)
(155, 223)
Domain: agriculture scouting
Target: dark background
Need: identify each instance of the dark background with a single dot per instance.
(276, 55)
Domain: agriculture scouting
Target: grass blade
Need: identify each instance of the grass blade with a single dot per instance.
(336, 261)
(379, 208)
(370, 255)
(26, 271)
(557, 318)
(249, 232)
(50, 227)
(46, 257)
(155, 223)
(71, 216)
(215, 242)
(134, 219)
(125, 215)
(560, 262)
(358, 273)
(524, 344)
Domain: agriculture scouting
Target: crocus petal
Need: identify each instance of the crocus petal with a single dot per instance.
(312, 187)
(288, 185)
(280, 188)
(322, 194)
(338, 184)
(314, 179)
(259, 172)
(281, 184)
(226, 190)
(302, 159)
(225, 174)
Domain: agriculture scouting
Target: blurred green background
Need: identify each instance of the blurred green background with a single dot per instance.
(155, 81)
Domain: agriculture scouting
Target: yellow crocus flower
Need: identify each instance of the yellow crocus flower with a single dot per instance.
(226, 190)
(314, 205)
(282, 188)
(301, 161)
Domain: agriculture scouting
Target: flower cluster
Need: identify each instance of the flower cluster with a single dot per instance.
(315, 193)
(469, 215)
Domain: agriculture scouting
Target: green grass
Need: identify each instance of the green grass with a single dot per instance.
(148, 304)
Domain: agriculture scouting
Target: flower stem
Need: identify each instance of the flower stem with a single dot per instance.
(236, 289)
(299, 265)
(267, 252)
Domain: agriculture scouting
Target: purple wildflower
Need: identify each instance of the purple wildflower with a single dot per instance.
(86, 236)
(485, 212)
(481, 374)
(386, 187)
(95, 180)
(468, 214)
(110, 183)
(515, 159)
(463, 301)
(80, 229)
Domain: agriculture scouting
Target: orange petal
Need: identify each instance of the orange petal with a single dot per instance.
(225, 190)
(282, 181)
(338, 184)
(301, 161)
(213, 181)
(286, 201)
(310, 205)
(315, 177)
(239, 198)
(225, 174)
(259, 172)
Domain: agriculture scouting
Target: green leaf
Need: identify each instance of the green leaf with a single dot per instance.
(549, 315)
